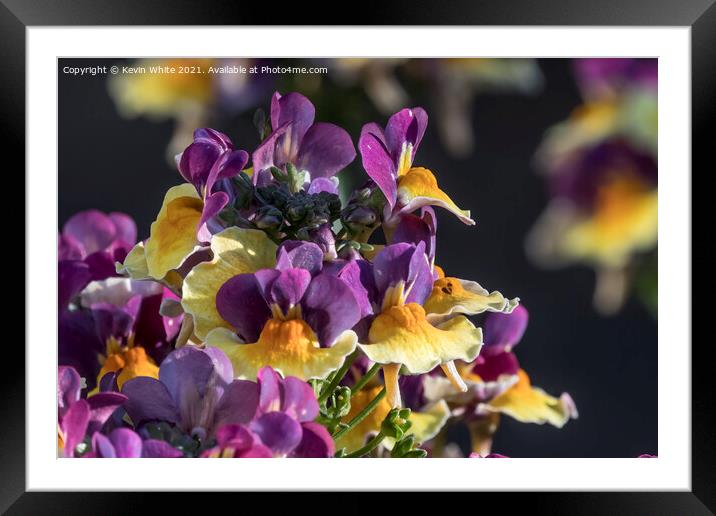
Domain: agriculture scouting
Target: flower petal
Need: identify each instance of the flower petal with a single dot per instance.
(504, 331)
(532, 405)
(74, 426)
(263, 157)
(406, 263)
(357, 274)
(190, 369)
(316, 442)
(295, 109)
(72, 277)
(418, 188)
(298, 254)
(490, 367)
(94, 230)
(453, 295)
(299, 400)
(289, 347)
(127, 444)
(378, 164)
(324, 184)
(326, 149)
(135, 264)
(125, 227)
(236, 251)
(329, 307)
(407, 126)
(278, 431)
(102, 406)
(172, 236)
(238, 404)
(156, 449)
(478, 391)
(288, 288)
(403, 335)
(69, 387)
(102, 446)
(240, 302)
(149, 400)
(413, 229)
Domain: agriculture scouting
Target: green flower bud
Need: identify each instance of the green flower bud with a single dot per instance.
(268, 217)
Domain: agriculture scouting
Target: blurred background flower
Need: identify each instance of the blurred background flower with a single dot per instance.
(601, 168)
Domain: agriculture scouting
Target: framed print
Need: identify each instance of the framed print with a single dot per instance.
(294, 246)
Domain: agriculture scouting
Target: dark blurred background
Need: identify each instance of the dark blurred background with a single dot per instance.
(607, 364)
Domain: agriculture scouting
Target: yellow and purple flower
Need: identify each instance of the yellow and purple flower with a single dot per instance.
(388, 157)
(295, 319)
(108, 323)
(186, 220)
(401, 335)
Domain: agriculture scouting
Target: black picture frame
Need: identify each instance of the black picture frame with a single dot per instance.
(700, 15)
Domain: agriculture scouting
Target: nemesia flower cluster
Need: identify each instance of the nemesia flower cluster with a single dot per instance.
(601, 168)
(265, 317)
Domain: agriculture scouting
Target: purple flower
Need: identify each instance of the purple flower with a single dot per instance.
(88, 247)
(75, 416)
(194, 391)
(321, 149)
(111, 316)
(125, 443)
(92, 231)
(209, 163)
(283, 422)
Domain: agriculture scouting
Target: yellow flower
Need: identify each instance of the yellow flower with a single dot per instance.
(236, 251)
(625, 221)
(418, 187)
(453, 295)
(162, 94)
(402, 336)
(288, 345)
(532, 405)
(172, 237)
(130, 360)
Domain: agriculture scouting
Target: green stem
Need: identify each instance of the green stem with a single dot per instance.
(361, 415)
(366, 378)
(338, 376)
(369, 447)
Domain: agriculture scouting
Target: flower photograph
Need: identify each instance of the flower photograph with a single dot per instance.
(357, 258)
